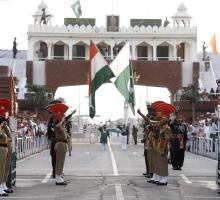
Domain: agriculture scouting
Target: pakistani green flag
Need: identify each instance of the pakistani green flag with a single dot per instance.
(124, 82)
(76, 6)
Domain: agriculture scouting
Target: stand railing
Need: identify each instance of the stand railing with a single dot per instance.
(207, 147)
(26, 146)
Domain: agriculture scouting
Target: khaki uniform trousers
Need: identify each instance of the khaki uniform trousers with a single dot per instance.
(3, 158)
(60, 149)
(162, 167)
(151, 160)
(8, 161)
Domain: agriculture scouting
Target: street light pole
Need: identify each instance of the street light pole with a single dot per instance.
(125, 113)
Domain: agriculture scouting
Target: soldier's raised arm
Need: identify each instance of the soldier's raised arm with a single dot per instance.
(146, 119)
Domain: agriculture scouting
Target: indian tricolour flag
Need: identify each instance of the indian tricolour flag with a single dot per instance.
(124, 81)
(99, 73)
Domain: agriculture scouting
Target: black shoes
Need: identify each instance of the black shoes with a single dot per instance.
(9, 191)
(159, 183)
(61, 183)
(156, 182)
(152, 181)
(177, 168)
(147, 175)
(4, 195)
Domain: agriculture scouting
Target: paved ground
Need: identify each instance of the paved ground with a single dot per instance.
(94, 174)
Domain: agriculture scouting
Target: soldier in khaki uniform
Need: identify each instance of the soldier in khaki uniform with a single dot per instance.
(162, 151)
(61, 136)
(7, 131)
(3, 158)
(158, 141)
(151, 142)
(152, 151)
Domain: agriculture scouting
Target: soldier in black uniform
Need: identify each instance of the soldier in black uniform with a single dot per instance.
(178, 140)
(51, 137)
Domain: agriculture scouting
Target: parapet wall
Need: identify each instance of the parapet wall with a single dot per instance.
(102, 29)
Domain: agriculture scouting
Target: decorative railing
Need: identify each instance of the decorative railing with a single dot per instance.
(102, 29)
(207, 147)
(26, 146)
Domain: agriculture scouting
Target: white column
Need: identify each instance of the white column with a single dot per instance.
(133, 52)
(70, 50)
(31, 53)
(154, 51)
(175, 51)
(193, 50)
(49, 50)
(111, 55)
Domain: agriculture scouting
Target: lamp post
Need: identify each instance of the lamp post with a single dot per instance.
(125, 113)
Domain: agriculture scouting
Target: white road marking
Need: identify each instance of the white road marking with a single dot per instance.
(29, 179)
(33, 197)
(134, 153)
(87, 153)
(28, 157)
(114, 165)
(119, 193)
(209, 184)
(118, 189)
(199, 197)
(185, 179)
(47, 178)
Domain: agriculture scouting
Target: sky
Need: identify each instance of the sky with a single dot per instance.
(15, 15)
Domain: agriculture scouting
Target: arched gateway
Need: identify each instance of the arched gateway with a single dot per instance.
(164, 56)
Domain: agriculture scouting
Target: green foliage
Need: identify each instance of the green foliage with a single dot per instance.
(192, 94)
(37, 96)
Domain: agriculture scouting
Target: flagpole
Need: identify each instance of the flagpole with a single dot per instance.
(125, 113)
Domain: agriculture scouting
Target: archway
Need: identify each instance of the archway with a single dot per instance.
(165, 51)
(41, 50)
(144, 51)
(109, 102)
(80, 51)
(60, 50)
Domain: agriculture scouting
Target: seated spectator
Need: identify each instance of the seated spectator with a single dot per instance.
(205, 95)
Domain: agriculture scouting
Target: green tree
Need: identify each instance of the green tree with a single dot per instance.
(37, 97)
(192, 94)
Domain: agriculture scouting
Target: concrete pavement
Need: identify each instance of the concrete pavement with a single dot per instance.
(114, 174)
